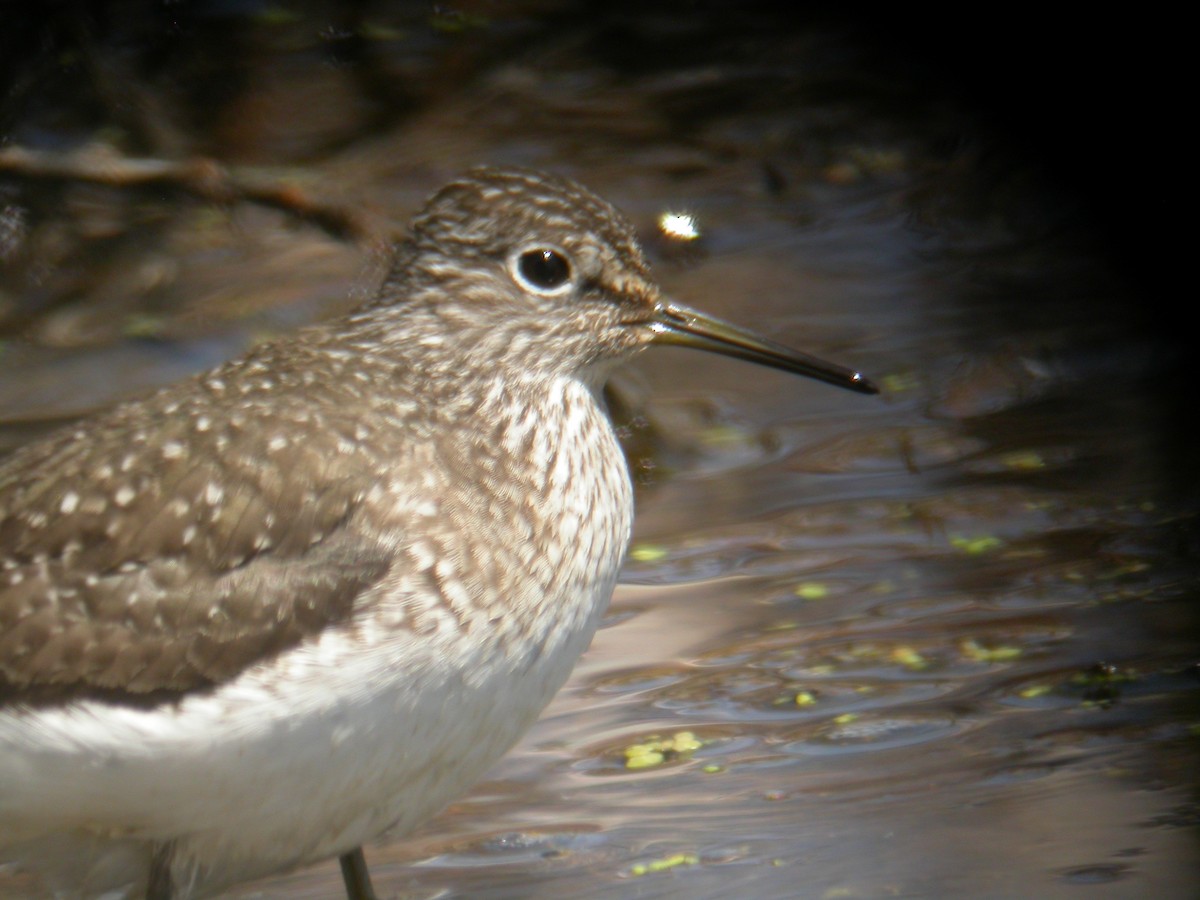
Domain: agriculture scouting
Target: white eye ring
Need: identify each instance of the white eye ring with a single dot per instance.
(542, 270)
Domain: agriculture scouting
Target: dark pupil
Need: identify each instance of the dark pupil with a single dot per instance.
(544, 268)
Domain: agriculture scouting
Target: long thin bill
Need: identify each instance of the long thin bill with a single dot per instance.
(685, 327)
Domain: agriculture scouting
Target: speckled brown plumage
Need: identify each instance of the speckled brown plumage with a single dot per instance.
(172, 543)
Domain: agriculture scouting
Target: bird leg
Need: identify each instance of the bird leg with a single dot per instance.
(160, 887)
(356, 876)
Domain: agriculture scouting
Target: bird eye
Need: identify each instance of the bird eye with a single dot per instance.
(543, 270)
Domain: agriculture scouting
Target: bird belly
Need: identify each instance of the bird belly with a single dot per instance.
(261, 775)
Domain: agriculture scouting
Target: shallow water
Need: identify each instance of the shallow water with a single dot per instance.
(937, 643)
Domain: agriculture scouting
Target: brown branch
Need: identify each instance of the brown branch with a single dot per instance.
(200, 177)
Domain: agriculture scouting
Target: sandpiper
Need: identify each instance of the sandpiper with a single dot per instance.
(265, 615)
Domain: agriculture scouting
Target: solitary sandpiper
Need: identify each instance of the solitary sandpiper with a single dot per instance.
(265, 615)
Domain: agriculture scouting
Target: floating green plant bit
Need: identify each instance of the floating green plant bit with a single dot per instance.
(377, 31)
(846, 718)
(1102, 683)
(782, 625)
(1132, 567)
(837, 893)
(1034, 691)
(656, 751)
(277, 15)
(976, 545)
(647, 553)
(972, 649)
(662, 865)
(724, 435)
(805, 698)
(144, 325)
(643, 756)
(909, 657)
(1023, 460)
(899, 382)
(811, 590)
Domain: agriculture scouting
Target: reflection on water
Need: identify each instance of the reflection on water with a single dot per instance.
(937, 643)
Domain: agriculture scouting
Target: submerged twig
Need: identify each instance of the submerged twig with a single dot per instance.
(201, 177)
